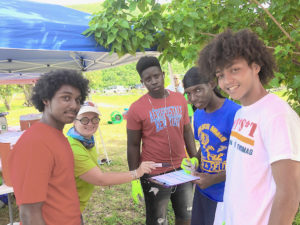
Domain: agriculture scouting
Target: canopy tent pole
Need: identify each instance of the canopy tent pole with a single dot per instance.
(102, 141)
(103, 145)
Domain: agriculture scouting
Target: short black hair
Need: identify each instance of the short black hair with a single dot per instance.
(50, 82)
(229, 46)
(195, 76)
(146, 62)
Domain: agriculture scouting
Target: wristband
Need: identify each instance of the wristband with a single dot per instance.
(133, 173)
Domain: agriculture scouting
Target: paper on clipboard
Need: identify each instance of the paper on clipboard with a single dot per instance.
(173, 178)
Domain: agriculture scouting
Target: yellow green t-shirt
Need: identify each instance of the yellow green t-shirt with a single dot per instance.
(190, 108)
(84, 160)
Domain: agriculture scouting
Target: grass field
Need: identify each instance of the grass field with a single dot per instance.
(108, 205)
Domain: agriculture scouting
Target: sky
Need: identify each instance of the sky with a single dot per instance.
(75, 2)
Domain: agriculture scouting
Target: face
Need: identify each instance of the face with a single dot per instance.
(87, 130)
(200, 95)
(240, 81)
(153, 79)
(176, 81)
(63, 107)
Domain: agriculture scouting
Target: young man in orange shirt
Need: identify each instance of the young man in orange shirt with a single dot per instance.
(41, 163)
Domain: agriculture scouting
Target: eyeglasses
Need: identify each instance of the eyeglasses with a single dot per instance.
(85, 120)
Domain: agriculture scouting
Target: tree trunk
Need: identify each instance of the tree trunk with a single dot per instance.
(27, 92)
(7, 104)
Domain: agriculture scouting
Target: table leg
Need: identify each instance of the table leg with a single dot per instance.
(10, 209)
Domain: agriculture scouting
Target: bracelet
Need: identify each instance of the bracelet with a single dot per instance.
(133, 173)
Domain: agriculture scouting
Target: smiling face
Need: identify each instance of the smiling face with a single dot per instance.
(63, 107)
(153, 79)
(87, 130)
(241, 81)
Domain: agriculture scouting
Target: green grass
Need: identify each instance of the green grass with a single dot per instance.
(108, 205)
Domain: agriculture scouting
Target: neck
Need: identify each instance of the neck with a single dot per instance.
(162, 94)
(254, 95)
(215, 104)
(87, 137)
(51, 122)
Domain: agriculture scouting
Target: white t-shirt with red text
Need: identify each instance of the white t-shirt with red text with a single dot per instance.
(262, 133)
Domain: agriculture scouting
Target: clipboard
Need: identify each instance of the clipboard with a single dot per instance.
(173, 178)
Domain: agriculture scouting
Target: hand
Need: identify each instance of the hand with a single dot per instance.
(136, 191)
(189, 165)
(205, 181)
(145, 167)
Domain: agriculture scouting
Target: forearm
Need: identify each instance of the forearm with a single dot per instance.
(206, 179)
(189, 141)
(96, 177)
(133, 157)
(284, 209)
(198, 156)
(114, 178)
(31, 214)
(285, 204)
(134, 138)
(219, 177)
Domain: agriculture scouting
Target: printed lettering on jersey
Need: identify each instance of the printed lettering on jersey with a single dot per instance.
(243, 132)
(159, 117)
(212, 160)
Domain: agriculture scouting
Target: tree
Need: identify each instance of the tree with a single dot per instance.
(7, 92)
(27, 89)
(180, 28)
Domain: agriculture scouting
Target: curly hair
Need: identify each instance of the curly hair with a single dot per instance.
(146, 62)
(229, 46)
(50, 82)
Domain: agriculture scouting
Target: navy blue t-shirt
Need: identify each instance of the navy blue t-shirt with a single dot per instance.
(212, 130)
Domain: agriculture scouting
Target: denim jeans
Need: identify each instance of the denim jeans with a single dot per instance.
(157, 198)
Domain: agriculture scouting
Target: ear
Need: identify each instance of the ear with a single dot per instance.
(256, 67)
(213, 83)
(45, 101)
(163, 74)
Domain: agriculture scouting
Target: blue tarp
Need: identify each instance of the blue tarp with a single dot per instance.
(37, 37)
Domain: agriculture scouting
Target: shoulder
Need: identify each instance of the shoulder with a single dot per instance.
(177, 96)
(76, 146)
(199, 112)
(35, 134)
(274, 106)
(231, 104)
(73, 141)
(139, 102)
(200, 115)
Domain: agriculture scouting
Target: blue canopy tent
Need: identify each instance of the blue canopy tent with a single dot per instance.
(37, 37)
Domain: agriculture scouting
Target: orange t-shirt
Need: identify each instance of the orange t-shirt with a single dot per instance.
(162, 124)
(42, 170)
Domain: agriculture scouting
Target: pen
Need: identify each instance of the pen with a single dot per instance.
(162, 164)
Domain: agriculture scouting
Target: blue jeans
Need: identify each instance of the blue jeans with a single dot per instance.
(157, 198)
(204, 209)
